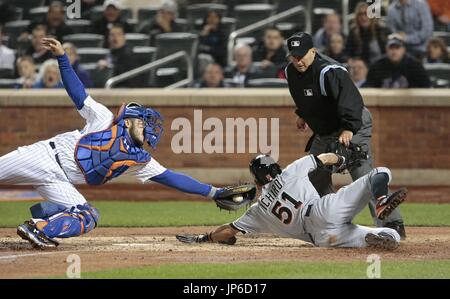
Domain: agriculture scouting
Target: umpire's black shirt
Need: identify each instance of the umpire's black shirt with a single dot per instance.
(326, 97)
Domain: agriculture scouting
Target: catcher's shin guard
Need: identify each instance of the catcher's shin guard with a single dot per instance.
(70, 224)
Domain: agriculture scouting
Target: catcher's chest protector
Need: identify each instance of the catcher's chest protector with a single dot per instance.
(107, 154)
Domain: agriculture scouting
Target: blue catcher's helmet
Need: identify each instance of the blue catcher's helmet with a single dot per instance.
(153, 121)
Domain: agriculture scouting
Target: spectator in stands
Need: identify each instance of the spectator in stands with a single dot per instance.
(212, 40)
(441, 11)
(367, 37)
(112, 15)
(335, 48)
(212, 77)
(331, 25)
(164, 21)
(412, 21)
(244, 69)
(49, 75)
(86, 7)
(358, 71)
(54, 21)
(27, 72)
(121, 57)
(7, 58)
(271, 51)
(82, 74)
(437, 51)
(35, 48)
(398, 69)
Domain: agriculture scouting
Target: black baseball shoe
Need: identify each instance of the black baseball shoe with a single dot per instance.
(399, 227)
(381, 241)
(386, 205)
(37, 239)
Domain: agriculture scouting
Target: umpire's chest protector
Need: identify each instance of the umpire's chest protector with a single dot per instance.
(317, 109)
(104, 155)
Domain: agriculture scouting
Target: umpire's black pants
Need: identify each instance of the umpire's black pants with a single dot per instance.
(321, 179)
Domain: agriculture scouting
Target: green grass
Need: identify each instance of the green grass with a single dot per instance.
(138, 214)
(288, 270)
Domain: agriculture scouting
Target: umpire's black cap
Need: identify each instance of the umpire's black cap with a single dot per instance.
(299, 44)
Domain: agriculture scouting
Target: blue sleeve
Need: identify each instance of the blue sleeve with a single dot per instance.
(182, 183)
(71, 82)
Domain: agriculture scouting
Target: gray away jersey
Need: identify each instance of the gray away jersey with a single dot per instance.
(281, 207)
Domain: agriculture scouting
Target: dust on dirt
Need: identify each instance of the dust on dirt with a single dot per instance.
(108, 248)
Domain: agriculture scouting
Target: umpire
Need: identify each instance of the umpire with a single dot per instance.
(331, 106)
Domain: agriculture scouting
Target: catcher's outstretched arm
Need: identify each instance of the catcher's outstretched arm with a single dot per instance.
(184, 183)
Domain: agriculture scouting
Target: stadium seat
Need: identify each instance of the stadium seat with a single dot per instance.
(252, 13)
(148, 13)
(97, 13)
(144, 54)
(6, 73)
(228, 26)
(26, 5)
(197, 12)
(287, 28)
(18, 14)
(99, 77)
(333, 4)
(85, 40)
(37, 13)
(438, 71)
(182, 23)
(267, 82)
(167, 76)
(444, 35)
(13, 31)
(317, 17)
(92, 55)
(7, 83)
(283, 5)
(79, 25)
(137, 39)
(168, 43)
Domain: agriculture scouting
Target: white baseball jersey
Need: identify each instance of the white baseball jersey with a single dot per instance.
(36, 164)
(290, 206)
(283, 202)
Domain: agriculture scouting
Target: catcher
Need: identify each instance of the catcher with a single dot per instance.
(108, 146)
(290, 206)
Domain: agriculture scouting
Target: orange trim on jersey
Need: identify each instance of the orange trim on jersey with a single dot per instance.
(122, 147)
(105, 147)
(118, 164)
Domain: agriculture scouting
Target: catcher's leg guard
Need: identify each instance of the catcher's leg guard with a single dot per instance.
(70, 224)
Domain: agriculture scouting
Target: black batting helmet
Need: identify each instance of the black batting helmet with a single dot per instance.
(264, 169)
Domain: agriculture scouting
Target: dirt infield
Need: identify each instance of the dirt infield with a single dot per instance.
(107, 248)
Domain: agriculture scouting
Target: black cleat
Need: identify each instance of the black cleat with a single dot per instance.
(385, 206)
(36, 238)
(399, 227)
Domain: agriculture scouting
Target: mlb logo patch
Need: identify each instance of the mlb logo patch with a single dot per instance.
(295, 43)
(308, 92)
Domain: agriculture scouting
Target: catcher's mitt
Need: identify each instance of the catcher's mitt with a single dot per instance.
(232, 198)
(353, 155)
